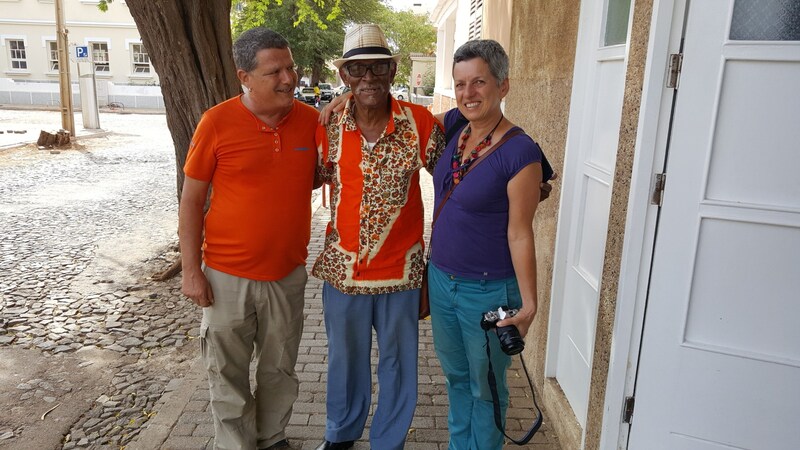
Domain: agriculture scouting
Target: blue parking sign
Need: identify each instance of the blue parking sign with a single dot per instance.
(82, 52)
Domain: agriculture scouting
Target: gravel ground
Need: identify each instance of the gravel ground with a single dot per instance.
(83, 329)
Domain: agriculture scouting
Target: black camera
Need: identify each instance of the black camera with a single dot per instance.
(510, 340)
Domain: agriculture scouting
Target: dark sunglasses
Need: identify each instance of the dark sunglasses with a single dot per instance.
(377, 69)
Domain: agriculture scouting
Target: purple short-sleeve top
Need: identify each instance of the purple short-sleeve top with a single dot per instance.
(470, 238)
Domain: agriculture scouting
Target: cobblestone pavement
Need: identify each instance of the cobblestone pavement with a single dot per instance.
(184, 418)
(74, 227)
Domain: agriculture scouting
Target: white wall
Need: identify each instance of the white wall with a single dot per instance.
(33, 21)
(452, 20)
(26, 93)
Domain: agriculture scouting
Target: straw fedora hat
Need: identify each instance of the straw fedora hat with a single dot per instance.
(365, 41)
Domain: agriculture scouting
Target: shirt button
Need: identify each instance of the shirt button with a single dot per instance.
(277, 149)
(452, 277)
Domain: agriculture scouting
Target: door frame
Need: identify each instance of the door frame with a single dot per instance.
(581, 96)
(652, 140)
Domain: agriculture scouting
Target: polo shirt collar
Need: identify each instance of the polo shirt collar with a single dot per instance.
(262, 126)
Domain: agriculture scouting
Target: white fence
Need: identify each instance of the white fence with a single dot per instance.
(31, 93)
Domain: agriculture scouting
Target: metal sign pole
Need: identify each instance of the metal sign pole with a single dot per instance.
(67, 117)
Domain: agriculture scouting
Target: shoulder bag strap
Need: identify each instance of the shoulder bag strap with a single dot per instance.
(509, 134)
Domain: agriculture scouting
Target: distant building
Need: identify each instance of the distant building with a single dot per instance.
(29, 71)
(422, 68)
(458, 21)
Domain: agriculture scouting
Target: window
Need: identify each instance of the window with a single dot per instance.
(475, 7)
(19, 60)
(52, 55)
(766, 20)
(141, 60)
(617, 16)
(100, 57)
(476, 20)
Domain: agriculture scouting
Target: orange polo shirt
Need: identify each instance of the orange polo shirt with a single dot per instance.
(259, 223)
(374, 240)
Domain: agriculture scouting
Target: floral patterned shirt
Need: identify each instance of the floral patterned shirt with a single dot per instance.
(374, 242)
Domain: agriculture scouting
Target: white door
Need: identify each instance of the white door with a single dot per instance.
(720, 356)
(589, 172)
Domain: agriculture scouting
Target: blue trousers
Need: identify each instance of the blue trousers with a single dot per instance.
(349, 320)
(457, 305)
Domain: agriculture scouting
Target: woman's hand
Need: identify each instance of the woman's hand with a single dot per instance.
(522, 320)
(336, 105)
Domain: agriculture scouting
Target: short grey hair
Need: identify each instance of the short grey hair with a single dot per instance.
(251, 42)
(490, 51)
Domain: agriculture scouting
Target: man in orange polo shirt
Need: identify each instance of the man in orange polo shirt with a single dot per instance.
(372, 262)
(257, 153)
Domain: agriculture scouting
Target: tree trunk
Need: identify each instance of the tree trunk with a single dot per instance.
(316, 71)
(190, 47)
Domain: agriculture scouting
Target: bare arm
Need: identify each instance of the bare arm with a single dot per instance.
(522, 208)
(190, 233)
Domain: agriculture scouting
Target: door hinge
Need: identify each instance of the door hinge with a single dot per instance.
(675, 63)
(657, 194)
(627, 415)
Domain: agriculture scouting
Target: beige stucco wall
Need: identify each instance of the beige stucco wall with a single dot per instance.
(542, 52)
(609, 284)
(542, 56)
(497, 16)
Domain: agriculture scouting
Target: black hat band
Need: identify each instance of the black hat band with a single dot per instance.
(367, 50)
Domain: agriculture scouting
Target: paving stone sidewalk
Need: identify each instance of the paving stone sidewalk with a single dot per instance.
(184, 420)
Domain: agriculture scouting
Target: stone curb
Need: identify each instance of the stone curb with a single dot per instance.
(159, 427)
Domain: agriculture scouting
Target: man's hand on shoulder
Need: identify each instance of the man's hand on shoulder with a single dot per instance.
(545, 188)
(335, 106)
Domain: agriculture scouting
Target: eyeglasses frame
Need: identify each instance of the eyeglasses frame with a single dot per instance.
(368, 67)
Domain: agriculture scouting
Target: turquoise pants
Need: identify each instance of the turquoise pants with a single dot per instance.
(457, 305)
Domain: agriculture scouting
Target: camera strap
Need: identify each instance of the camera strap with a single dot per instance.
(498, 421)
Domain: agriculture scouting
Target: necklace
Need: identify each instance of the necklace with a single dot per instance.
(459, 169)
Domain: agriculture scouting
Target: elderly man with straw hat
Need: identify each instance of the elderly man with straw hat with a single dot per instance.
(372, 262)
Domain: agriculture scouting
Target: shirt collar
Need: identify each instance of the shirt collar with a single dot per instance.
(261, 125)
(348, 118)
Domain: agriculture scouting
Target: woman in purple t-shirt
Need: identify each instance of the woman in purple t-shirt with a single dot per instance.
(482, 245)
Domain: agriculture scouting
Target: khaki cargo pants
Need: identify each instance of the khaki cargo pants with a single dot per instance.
(260, 321)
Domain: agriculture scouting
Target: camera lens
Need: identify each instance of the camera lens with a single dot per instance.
(510, 341)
